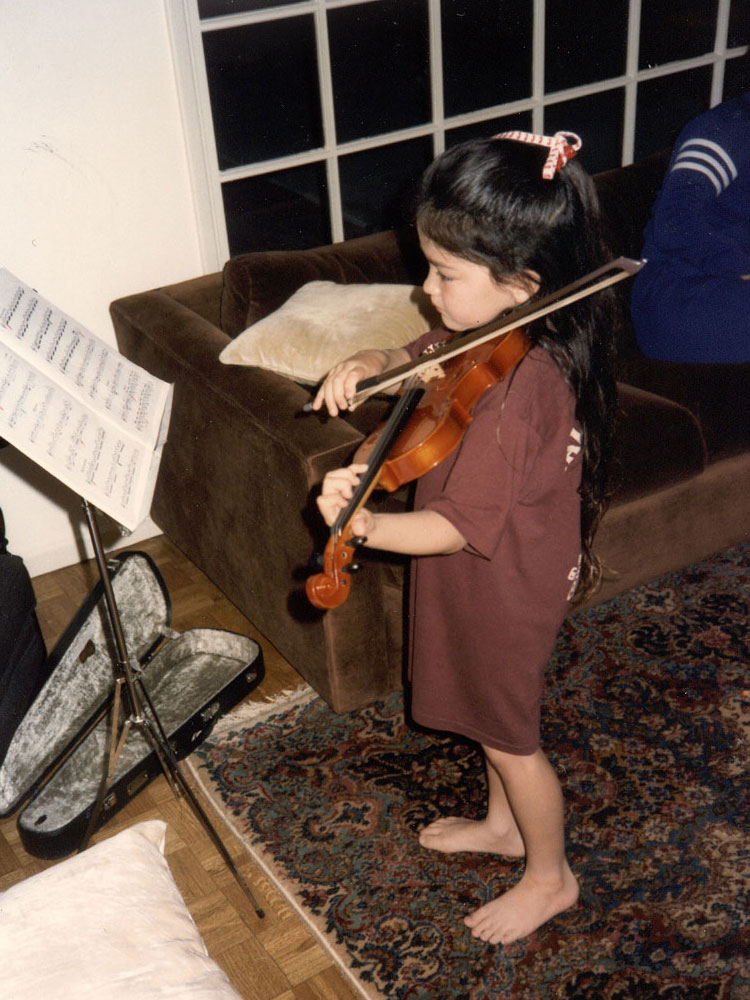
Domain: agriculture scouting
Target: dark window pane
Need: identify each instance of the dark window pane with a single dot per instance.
(598, 120)
(263, 83)
(521, 121)
(671, 31)
(736, 76)
(380, 67)
(739, 24)
(286, 210)
(486, 53)
(665, 105)
(377, 185)
(216, 8)
(582, 45)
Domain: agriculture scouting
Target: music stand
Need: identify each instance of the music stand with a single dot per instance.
(132, 701)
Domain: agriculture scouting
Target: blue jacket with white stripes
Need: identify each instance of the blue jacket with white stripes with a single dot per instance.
(692, 300)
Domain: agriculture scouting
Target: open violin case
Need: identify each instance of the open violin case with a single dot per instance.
(59, 754)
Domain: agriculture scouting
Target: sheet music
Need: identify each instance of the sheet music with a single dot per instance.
(76, 407)
(79, 361)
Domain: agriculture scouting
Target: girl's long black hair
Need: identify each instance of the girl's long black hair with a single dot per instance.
(486, 201)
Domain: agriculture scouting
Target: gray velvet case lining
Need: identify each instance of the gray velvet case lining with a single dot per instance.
(181, 679)
(183, 673)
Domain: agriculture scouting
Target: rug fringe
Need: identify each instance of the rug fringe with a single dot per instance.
(250, 712)
(256, 855)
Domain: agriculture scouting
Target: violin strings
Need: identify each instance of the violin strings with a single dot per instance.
(401, 412)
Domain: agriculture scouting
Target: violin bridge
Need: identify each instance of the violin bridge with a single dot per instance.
(431, 372)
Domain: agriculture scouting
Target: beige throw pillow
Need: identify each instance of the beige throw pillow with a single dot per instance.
(324, 322)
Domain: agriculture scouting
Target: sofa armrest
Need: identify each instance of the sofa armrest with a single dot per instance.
(235, 492)
(171, 341)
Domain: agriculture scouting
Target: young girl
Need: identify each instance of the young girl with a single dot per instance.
(502, 528)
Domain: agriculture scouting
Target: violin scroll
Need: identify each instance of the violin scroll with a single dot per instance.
(330, 588)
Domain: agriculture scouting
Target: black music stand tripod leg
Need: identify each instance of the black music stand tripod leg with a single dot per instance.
(130, 695)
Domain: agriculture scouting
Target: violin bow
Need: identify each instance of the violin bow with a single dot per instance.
(595, 281)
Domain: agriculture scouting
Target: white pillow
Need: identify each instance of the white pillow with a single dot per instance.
(107, 923)
(324, 322)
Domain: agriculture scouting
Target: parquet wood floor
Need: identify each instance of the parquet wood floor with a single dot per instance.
(271, 959)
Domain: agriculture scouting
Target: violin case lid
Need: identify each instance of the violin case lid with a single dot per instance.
(58, 755)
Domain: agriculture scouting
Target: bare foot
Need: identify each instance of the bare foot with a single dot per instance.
(452, 834)
(518, 912)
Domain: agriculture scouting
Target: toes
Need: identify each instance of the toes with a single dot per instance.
(485, 929)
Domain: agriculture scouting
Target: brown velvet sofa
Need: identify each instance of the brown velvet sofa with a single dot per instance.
(239, 472)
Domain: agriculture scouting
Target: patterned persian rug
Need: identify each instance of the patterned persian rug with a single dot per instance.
(647, 719)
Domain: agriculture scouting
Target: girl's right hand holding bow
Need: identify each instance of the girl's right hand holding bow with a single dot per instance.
(340, 384)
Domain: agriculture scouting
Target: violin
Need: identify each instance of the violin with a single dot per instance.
(433, 412)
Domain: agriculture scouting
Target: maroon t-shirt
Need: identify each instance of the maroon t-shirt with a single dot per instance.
(484, 620)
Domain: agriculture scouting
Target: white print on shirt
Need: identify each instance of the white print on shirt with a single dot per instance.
(573, 576)
(573, 449)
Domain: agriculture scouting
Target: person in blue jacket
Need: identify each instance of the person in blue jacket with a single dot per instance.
(691, 302)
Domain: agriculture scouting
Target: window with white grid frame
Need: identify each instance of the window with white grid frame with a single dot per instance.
(308, 121)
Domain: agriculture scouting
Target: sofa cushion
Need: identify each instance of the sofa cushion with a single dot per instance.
(255, 284)
(324, 322)
(658, 444)
(717, 395)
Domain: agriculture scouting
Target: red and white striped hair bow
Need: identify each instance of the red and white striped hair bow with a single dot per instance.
(562, 146)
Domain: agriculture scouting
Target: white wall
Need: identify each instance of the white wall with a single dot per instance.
(95, 201)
